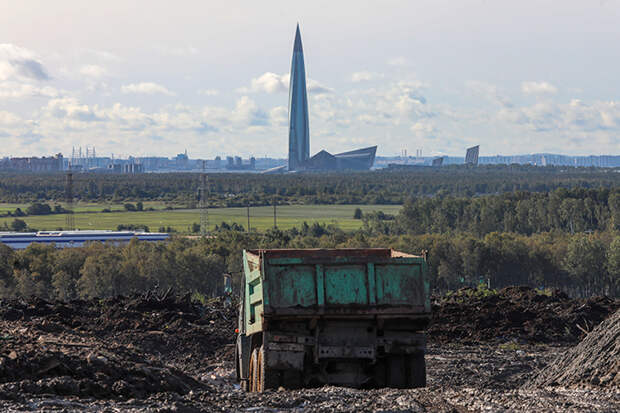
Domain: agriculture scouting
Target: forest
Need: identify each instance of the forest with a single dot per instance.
(567, 210)
(497, 226)
(375, 187)
(581, 264)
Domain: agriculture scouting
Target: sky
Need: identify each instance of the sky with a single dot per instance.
(153, 78)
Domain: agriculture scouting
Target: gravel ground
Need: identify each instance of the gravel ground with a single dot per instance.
(166, 354)
(486, 378)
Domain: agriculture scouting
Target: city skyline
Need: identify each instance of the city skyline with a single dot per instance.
(149, 79)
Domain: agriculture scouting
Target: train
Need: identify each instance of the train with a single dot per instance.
(63, 239)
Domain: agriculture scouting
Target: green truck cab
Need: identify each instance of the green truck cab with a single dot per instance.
(351, 317)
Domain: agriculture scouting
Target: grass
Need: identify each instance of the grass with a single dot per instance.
(87, 206)
(89, 216)
(465, 294)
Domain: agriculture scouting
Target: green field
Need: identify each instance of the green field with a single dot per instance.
(89, 216)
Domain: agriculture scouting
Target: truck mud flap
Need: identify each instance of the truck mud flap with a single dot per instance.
(285, 356)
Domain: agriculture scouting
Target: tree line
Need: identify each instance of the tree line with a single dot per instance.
(372, 187)
(580, 264)
(567, 210)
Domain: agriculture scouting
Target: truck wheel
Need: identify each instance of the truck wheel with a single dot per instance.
(417, 370)
(269, 378)
(254, 371)
(396, 372)
(237, 370)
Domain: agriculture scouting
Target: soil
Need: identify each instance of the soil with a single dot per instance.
(167, 354)
(595, 361)
(516, 314)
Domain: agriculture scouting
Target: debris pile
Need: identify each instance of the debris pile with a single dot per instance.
(120, 347)
(163, 353)
(594, 361)
(519, 314)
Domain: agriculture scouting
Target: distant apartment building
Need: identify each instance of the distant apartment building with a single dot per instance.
(33, 164)
(126, 168)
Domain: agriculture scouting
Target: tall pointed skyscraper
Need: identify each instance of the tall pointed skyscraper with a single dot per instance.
(299, 132)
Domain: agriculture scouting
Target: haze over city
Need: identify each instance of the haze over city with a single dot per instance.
(145, 78)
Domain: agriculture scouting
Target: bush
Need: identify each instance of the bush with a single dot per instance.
(19, 225)
(357, 214)
(39, 209)
(132, 227)
(130, 207)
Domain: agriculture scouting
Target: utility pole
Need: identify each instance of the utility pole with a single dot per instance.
(204, 201)
(70, 219)
(248, 209)
(275, 225)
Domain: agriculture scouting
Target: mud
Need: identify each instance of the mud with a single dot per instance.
(167, 354)
(516, 314)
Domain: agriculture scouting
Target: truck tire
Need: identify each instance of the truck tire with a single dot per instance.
(417, 370)
(237, 369)
(269, 378)
(396, 371)
(254, 378)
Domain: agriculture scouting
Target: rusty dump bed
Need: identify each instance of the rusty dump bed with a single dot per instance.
(365, 282)
(318, 253)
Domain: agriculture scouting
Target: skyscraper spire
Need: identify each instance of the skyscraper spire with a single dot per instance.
(299, 133)
(297, 47)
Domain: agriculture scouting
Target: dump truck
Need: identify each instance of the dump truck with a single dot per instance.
(350, 317)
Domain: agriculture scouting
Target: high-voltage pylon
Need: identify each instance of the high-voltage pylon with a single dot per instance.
(204, 201)
(70, 220)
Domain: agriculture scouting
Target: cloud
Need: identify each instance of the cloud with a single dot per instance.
(398, 61)
(538, 88)
(317, 88)
(93, 71)
(247, 112)
(270, 82)
(17, 90)
(209, 92)
(573, 117)
(365, 76)
(20, 63)
(490, 92)
(8, 118)
(424, 128)
(103, 55)
(147, 88)
(70, 108)
(279, 116)
(403, 101)
(178, 51)
(30, 137)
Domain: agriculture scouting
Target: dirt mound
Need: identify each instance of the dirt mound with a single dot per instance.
(594, 361)
(125, 346)
(515, 313)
